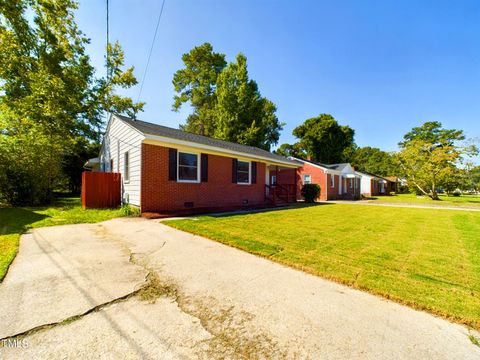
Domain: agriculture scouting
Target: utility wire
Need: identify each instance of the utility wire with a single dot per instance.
(151, 49)
(108, 40)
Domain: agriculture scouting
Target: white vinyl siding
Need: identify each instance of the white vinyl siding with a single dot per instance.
(120, 139)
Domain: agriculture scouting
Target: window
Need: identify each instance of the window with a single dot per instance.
(274, 180)
(126, 167)
(351, 183)
(307, 179)
(188, 168)
(243, 172)
(332, 180)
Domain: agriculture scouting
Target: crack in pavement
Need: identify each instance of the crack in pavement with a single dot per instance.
(72, 318)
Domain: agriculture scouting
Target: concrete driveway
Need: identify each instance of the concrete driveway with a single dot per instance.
(135, 288)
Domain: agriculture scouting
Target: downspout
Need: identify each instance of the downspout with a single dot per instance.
(326, 184)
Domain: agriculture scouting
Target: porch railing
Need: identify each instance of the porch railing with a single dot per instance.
(280, 193)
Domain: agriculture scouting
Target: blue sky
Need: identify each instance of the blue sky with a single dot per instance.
(380, 67)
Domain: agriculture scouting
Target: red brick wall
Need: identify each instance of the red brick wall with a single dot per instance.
(158, 194)
(286, 176)
(327, 192)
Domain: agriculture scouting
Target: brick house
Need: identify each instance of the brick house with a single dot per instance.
(337, 181)
(166, 170)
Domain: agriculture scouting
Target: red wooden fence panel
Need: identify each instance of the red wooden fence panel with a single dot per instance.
(101, 190)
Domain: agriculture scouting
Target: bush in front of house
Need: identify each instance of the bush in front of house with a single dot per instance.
(310, 192)
(131, 211)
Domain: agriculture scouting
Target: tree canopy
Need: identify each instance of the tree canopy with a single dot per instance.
(50, 96)
(324, 140)
(373, 160)
(226, 103)
(295, 150)
(430, 155)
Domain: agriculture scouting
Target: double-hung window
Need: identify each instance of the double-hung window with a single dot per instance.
(243, 172)
(188, 167)
(332, 180)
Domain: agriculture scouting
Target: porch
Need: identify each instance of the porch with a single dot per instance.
(280, 185)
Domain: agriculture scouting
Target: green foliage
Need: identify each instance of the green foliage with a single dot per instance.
(429, 157)
(226, 104)
(50, 97)
(472, 178)
(324, 139)
(73, 161)
(196, 84)
(374, 160)
(242, 114)
(131, 211)
(295, 150)
(310, 192)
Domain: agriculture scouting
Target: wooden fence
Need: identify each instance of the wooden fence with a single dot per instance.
(101, 190)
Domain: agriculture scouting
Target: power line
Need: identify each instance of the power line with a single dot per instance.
(108, 40)
(151, 49)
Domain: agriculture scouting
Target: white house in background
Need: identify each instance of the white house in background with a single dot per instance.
(372, 185)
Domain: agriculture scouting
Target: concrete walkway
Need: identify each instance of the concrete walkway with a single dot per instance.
(215, 302)
(402, 205)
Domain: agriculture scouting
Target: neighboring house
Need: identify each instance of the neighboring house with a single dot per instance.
(337, 181)
(393, 183)
(374, 185)
(166, 170)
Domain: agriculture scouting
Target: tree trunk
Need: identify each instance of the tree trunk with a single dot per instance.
(434, 194)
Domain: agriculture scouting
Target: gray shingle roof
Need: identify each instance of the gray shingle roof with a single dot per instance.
(337, 167)
(160, 130)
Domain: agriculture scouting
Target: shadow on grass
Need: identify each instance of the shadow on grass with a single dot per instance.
(16, 220)
(295, 206)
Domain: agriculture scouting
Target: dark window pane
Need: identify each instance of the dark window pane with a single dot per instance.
(187, 173)
(242, 166)
(187, 159)
(242, 177)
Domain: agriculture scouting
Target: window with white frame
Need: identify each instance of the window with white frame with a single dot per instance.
(332, 180)
(126, 167)
(188, 167)
(351, 183)
(307, 178)
(243, 172)
(274, 180)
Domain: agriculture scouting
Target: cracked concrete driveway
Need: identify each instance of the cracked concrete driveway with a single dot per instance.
(201, 299)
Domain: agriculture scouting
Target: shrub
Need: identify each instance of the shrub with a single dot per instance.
(456, 193)
(310, 192)
(128, 210)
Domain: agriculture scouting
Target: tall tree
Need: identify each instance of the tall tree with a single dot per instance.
(196, 84)
(429, 157)
(324, 139)
(49, 94)
(295, 150)
(242, 115)
(374, 160)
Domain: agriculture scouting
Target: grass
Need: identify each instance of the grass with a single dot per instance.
(65, 210)
(426, 258)
(469, 201)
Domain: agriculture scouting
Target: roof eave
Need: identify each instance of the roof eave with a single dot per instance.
(164, 139)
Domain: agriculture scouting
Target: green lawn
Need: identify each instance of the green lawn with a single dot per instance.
(16, 220)
(471, 201)
(426, 258)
